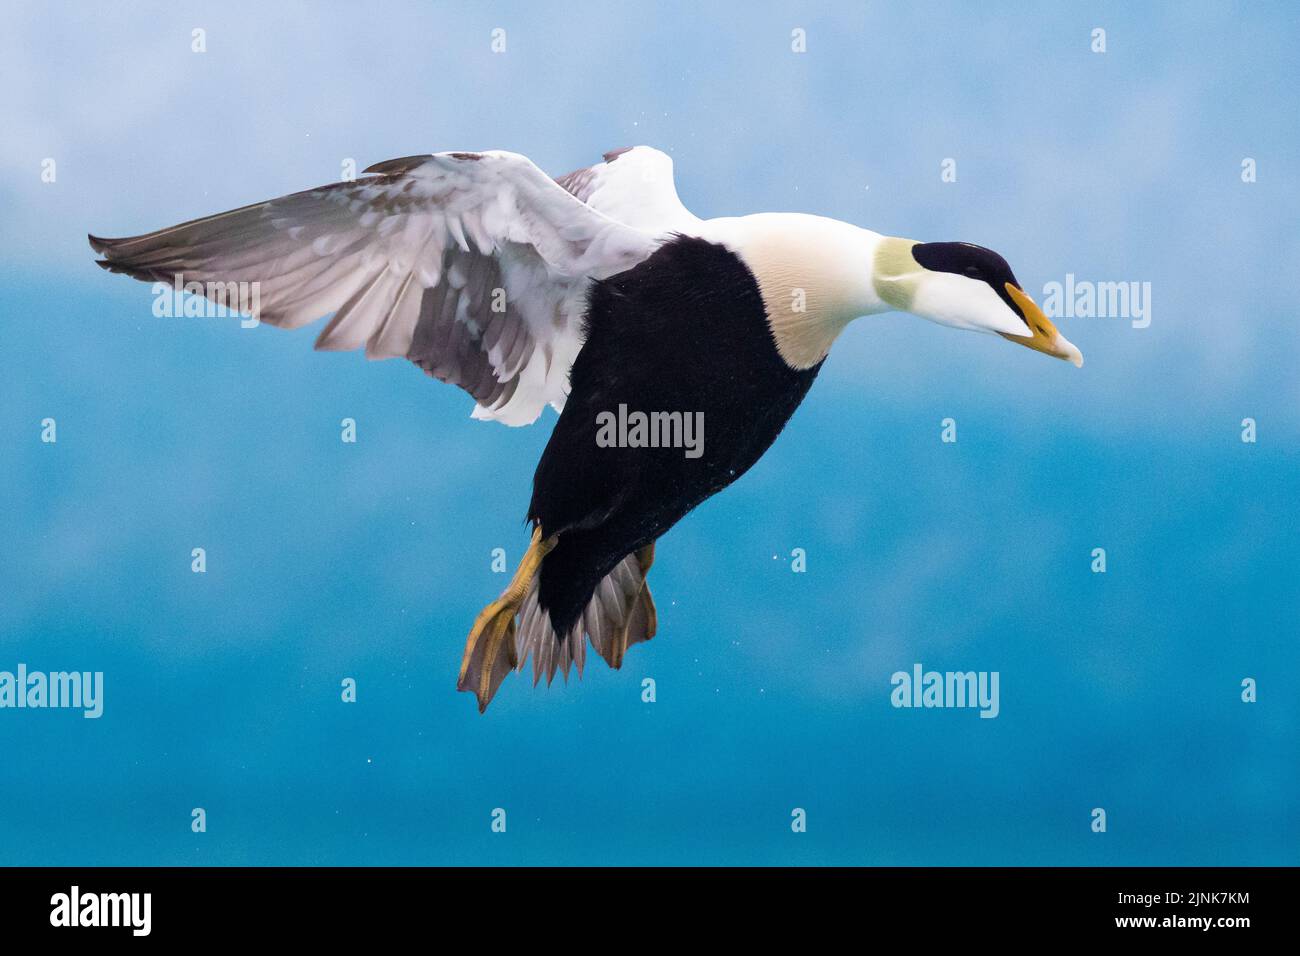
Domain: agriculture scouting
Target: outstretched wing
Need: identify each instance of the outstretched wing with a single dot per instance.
(474, 266)
(634, 185)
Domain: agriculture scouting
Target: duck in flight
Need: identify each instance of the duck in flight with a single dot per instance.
(595, 293)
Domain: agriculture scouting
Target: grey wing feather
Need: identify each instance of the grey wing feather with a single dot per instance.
(474, 266)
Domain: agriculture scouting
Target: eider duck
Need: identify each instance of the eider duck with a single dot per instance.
(675, 349)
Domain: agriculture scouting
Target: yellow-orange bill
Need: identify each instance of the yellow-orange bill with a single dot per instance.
(1041, 336)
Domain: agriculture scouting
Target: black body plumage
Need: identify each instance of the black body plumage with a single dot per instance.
(684, 331)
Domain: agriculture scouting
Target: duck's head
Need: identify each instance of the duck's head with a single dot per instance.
(967, 287)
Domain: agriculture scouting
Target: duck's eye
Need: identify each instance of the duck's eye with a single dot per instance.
(973, 271)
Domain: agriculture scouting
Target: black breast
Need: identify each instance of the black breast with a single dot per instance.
(682, 333)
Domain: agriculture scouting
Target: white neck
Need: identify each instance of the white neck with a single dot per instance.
(816, 276)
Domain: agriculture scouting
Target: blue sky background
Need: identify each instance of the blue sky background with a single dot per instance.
(370, 560)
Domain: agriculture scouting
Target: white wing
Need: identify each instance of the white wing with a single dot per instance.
(474, 266)
(634, 185)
